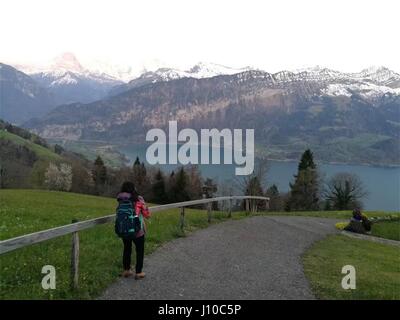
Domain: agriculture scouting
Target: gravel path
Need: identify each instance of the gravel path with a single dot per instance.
(253, 258)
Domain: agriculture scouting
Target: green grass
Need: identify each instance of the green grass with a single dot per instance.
(25, 211)
(90, 150)
(41, 152)
(346, 215)
(377, 268)
(387, 230)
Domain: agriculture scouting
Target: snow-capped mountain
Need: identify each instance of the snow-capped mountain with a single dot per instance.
(381, 75)
(369, 83)
(123, 73)
(68, 81)
(376, 74)
(199, 71)
(372, 82)
(329, 110)
(364, 89)
(71, 81)
(208, 70)
(65, 64)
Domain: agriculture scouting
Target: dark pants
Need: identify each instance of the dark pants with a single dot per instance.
(139, 244)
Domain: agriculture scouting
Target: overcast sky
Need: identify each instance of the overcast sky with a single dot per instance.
(347, 35)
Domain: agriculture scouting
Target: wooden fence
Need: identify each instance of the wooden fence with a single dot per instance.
(73, 228)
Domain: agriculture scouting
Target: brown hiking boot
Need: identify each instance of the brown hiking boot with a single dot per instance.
(127, 273)
(140, 275)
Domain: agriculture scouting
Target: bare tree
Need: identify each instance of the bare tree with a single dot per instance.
(254, 184)
(251, 184)
(344, 191)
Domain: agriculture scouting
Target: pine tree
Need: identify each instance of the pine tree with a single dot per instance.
(158, 188)
(307, 161)
(275, 198)
(139, 176)
(181, 184)
(171, 188)
(99, 174)
(273, 191)
(304, 192)
(195, 182)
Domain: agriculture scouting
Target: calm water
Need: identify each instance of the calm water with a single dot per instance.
(382, 184)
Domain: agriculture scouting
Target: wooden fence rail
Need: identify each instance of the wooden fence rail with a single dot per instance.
(73, 228)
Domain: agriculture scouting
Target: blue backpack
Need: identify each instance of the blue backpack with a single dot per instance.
(127, 223)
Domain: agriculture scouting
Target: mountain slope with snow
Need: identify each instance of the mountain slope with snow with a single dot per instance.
(68, 81)
(343, 117)
(369, 83)
(198, 71)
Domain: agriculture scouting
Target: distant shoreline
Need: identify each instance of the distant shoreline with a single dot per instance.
(383, 166)
(376, 165)
(118, 146)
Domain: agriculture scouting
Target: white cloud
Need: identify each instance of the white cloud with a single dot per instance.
(347, 35)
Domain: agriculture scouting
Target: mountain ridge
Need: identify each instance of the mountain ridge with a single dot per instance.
(66, 71)
(69, 81)
(285, 109)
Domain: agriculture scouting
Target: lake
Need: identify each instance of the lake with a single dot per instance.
(381, 183)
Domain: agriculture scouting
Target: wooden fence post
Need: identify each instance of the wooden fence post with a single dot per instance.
(247, 206)
(230, 208)
(75, 259)
(209, 212)
(182, 222)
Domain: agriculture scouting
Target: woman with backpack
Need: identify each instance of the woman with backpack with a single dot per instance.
(130, 227)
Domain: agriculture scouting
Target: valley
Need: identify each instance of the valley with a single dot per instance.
(346, 118)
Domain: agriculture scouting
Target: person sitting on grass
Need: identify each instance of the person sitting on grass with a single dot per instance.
(359, 223)
(131, 203)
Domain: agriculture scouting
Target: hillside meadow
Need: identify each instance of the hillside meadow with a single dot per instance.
(26, 211)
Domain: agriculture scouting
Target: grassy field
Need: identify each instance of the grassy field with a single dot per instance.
(377, 265)
(377, 268)
(90, 151)
(40, 151)
(25, 211)
(387, 229)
